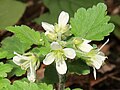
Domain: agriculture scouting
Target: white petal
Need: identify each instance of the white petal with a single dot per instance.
(86, 41)
(99, 61)
(49, 58)
(85, 47)
(55, 46)
(31, 74)
(18, 60)
(102, 58)
(61, 67)
(63, 18)
(48, 27)
(22, 56)
(94, 73)
(69, 53)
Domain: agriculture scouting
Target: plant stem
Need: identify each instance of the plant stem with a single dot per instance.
(61, 85)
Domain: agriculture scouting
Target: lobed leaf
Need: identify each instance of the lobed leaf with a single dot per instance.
(11, 44)
(16, 70)
(19, 85)
(25, 34)
(91, 24)
(4, 83)
(4, 69)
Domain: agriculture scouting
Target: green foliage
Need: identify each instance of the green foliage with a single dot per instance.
(51, 75)
(91, 24)
(19, 85)
(77, 89)
(2, 53)
(4, 69)
(44, 86)
(41, 51)
(70, 6)
(10, 12)
(4, 83)
(78, 67)
(25, 34)
(116, 20)
(11, 44)
(44, 43)
(16, 70)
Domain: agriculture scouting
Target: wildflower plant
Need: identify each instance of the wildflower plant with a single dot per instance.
(63, 48)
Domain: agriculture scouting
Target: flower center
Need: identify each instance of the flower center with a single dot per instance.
(59, 54)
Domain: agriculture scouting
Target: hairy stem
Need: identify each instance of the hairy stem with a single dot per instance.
(61, 85)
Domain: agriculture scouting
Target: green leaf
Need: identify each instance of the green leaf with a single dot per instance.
(10, 12)
(4, 69)
(77, 89)
(70, 6)
(50, 74)
(67, 89)
(91, 24)
(2, 53)
(44, 86)
(19, 85)
(25, 34)
(4, 83)
(11, 44)
(16, 70)
(78, 67)
(41, 51)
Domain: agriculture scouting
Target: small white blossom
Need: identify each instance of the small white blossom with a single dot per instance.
(96, 59)
(27, 62)
(83, 44)
(59, 55)
(54, 31)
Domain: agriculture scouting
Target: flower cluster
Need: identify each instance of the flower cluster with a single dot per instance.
(94, 57)
(29, 62)
(59, 30)
(60, 52)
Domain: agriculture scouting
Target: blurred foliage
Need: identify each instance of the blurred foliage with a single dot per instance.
(78, 67)
(70, 6)
(116, 20)
(10, 12)
(51, 75)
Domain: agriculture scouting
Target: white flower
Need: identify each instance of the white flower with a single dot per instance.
(59, 55)
(27, 62)
(96, 58)
(83, 44)
(53, 32)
